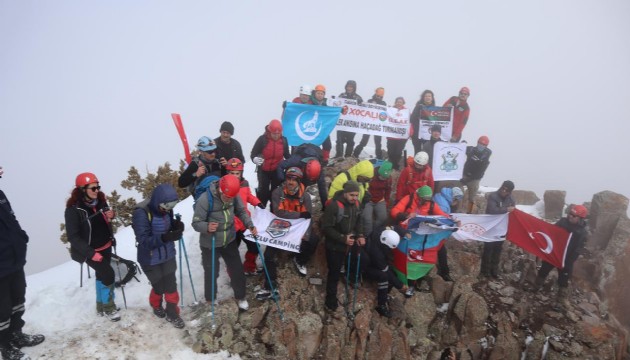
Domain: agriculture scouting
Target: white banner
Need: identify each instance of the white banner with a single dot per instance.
(285, 234)
(373, 119)
(448, 160)
(486, 228)
(436, 115)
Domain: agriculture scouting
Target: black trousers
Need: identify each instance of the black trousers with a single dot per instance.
(344, 137)
(564, 274)
(103, 269)
(442, 263)
(490, 257)
(234, 266)
(364, 141)
(12, 298)
(307, 249)
(268, 181)
(395, 149)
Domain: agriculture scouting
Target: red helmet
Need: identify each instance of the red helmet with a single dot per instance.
(275, 126)
(234, 164)
(313, 169)
(85, 178)
(230, 185)
(483, 140)
(294, 172)
(579, 211)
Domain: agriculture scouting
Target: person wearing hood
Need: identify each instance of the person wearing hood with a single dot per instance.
(362, 173)
(380, 188)
(202, 165)
(461, 112)
(13, 240)
(156, 232)
(227, 146)
(477, 161)
(269, 150)
(426, 99)
(377, 98)
(395, 147)
(213, 218)
(88, 226)
(347, 137)
(448, 199)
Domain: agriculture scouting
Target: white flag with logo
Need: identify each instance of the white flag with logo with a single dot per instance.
(486, 228)
(285, 234)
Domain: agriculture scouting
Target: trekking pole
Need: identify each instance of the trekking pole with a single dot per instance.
(122, 286)
(214, 325)
(81, 276)
(273, 291)
(181, 274)
(348, 260)
(356, 279)
(182, 245)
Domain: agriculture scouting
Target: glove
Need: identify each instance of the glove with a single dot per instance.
(172, 235)
(401, 217)
(258, 160)
(305, 215)
(97, 257)
(260, 205)
(284, 104)
(177, 225)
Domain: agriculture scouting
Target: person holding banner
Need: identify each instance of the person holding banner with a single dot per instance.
(268, 151)
(395, 147)
(499, 202)
(413, 176)
(227, 146)
(377, 98)
(305, 95)
(346, 137)
(309, 159)
(428, 145)
(461, 112)
(477, 161)
(318, 97)
(342, 227)
(448, 199)
(575, 223)
(202, 165)
(426, 99)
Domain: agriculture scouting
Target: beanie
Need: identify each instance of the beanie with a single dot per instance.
(508, 185)
(227, 126)
(425, 192)
(385, 170)
(351, 186)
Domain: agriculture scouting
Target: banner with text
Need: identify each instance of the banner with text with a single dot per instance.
(285, 234)
(448, 160)
(436, 115)
(372, 119)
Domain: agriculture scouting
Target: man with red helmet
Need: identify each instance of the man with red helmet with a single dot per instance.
(575, 223)
(216, 227)
(477, 161)
(235, 167)
(309, 159)
(269, 150)
(461, 111)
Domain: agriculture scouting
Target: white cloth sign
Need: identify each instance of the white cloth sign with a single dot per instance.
(285, 234)
(372, 119)
(436, 115)
(448, 160)
(486, 228)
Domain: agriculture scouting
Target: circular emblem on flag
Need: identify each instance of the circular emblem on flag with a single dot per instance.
(382, 116)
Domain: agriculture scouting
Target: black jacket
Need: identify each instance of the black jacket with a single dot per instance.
(87, 229)
(229, 151)
(188, 177)
(13, 240)
(476, 163)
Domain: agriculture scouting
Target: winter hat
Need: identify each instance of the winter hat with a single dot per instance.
(385, 170)
(227, 126)
(508, 185)
(351, 186)
(352, 83)
(425, 192)
(457, 193)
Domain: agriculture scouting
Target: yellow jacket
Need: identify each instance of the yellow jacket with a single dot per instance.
(362, 168)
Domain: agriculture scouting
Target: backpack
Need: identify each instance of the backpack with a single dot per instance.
(203, 186)
(308, 150)
(123, 274)
(341, 208)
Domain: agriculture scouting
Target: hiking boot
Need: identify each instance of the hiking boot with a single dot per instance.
(177, 321)
(300, 268)
(243, 305)
(159, 312)
(20, 339)
(384, 311)
(562, 299)
(251, 273)
(113, 315)
(410, 291)
(11, 352)
(265, 294)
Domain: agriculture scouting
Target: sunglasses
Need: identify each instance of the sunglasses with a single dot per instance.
(168, 206)
(94, 188)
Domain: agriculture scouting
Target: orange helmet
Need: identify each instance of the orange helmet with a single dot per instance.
(483, 140)
(230, 185)
(85, 178)
(312, 169)
(320, 87)
(579, 211)
(234, 164)
(275, 126)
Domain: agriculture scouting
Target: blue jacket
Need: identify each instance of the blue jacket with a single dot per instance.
(12, 240)
(444, 199)
(149, 223)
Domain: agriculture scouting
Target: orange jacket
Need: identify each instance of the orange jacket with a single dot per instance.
(405, 207)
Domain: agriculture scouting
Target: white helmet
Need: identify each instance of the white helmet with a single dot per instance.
(390, 238)
(421, 158)
(305, 90)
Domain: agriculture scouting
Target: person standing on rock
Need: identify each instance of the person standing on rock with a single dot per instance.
(347, 137)
(227, 146)
(499, 202)
(574, 223)
(477, 161)
(269, 150)
(461, 112)
(377, 98)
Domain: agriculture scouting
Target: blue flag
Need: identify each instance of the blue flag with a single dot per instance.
(302, 123)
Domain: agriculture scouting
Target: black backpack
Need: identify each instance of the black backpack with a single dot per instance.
(124, 270)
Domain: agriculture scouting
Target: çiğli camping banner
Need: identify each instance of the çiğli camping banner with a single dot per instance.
(285, 234)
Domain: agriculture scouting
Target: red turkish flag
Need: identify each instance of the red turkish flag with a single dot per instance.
(538, 237)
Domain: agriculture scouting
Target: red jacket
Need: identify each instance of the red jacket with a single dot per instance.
(297, 100)
(411, 179)
(246, 195)
(405, 207)
(380, 189)
(461, 110)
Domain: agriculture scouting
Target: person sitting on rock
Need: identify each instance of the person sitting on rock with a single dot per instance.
(380, 187)
(362, 173)
(574, 223)
(415, 175)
